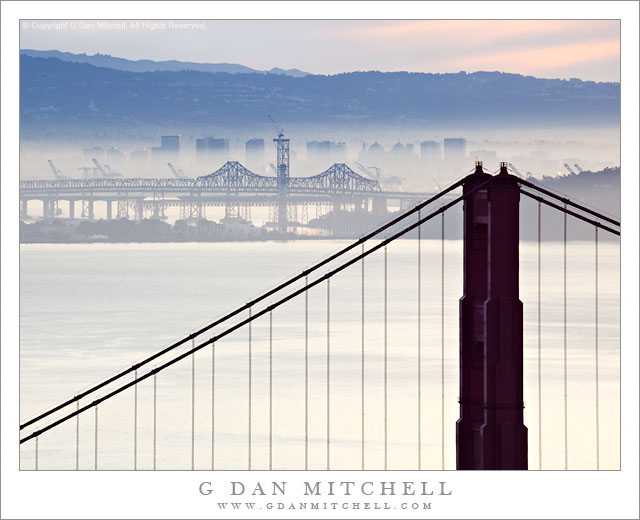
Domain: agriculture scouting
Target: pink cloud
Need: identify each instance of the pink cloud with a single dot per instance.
(412, 31)
(545, 58)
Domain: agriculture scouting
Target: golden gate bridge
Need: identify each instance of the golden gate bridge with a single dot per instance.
(490, 432)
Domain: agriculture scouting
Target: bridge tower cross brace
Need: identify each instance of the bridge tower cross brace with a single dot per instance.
(490, 433)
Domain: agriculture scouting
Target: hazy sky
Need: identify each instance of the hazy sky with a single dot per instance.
(586, 49)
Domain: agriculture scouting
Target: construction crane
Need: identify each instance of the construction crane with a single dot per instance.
(99, 167)
(386, 179)
(110, 172)
(569, 169)
(273, 167)
(515, 170)
(56, 173)
(279, 132)
(578, 167)
(106, 171)
(364, 170)
(179, 174)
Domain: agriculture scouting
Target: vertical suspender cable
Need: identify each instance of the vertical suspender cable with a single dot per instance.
(385, 358)
(77, 436)
(193, 406)
(597, 365)
(306, 375)
(270, 389)
(249, 427)
(442, 342)
(362, 360)
(328, 373)
(419, 353)
(564, 280)
(539, 340)
(213, 405)
(135, 421)
(155, 391)
(95, 453)
(36, 465)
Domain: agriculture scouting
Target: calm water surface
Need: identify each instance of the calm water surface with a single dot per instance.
(88, 311)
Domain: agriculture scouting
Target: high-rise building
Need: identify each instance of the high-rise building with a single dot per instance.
(338, 152)
(401, 154)
(455, 153)
(319, 153)
(170, 142)
(374, 155)
(254, 154)
(430, 154)
(212, 149)
(115, 156)
(169, 149)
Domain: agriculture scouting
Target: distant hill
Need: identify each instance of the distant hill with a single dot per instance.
(598, 189)
(112, 62)
(66, 98)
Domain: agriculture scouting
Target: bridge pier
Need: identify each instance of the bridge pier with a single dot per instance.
(139, 209)
(90, 208)
(47, 208)
(109, 210)
(23, 209)
(491, 432)
(123, 208)
(379, 206)
(72, 208)
(282, 214)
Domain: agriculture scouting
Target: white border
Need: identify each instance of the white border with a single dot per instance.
(174, 494)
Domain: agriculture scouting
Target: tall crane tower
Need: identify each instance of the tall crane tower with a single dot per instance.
(366, 171)
(105, 171)
(57, 174)
(282, 168)
(178, 174)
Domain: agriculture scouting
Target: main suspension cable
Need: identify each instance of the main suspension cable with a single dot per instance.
(280, 302)
(247, 305)
(569, 202)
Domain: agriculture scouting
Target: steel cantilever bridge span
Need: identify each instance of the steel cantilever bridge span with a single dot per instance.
(232, 184)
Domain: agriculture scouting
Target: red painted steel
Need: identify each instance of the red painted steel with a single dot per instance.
(491, 432)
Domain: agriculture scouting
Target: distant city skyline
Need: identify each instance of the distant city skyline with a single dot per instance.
(585, 49)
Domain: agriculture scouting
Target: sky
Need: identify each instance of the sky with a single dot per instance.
(585, 49)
